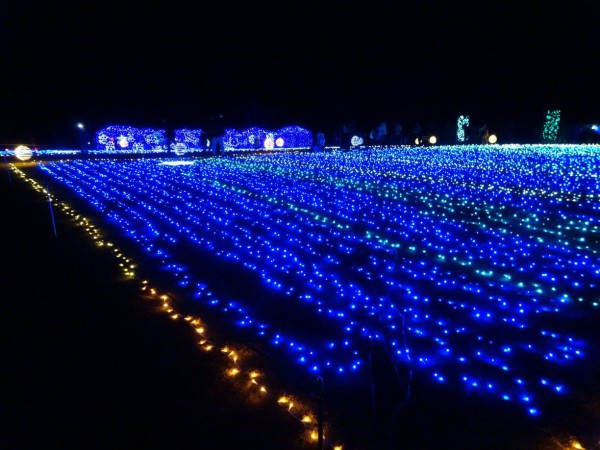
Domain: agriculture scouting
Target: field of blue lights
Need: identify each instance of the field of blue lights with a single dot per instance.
(476, 265)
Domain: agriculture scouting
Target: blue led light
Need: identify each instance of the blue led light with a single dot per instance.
(463, 259)
(286, 138)
(127, 139)
(188, 140)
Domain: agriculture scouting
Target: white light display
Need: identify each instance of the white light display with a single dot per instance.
(356, 141)
(176, 163)
(269, 143)
(123, 142)
(188, 140)
(23, 153)
(461, 123)
(179, 148)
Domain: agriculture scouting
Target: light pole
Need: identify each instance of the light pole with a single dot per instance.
(82, 137)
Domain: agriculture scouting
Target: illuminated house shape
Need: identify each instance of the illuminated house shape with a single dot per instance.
(250, 139)
(293, 137)
(290, 137)
(189, 138)
(128, 139)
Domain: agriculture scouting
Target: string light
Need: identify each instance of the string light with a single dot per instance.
(551, 125)
(269, 142)
(355, 141)
(286, 138)
(125, 263)
(503, 241)
(487, 235)
(129, 139)
(121, 138)
(461, 124)
(188, 140)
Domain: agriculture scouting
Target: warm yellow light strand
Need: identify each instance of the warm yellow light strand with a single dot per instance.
(287, 403)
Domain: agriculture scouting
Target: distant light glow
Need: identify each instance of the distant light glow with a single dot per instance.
(279, 142)
(123, 142)
(575, 445)
(176, 163)
(23, 153)
(493, 139)
(269, 143)
(179, 148)
(54, 152)
(432, 140)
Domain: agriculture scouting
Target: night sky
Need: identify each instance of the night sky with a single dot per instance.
(170, 64)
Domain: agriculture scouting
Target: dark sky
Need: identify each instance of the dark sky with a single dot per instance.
(170, 64)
